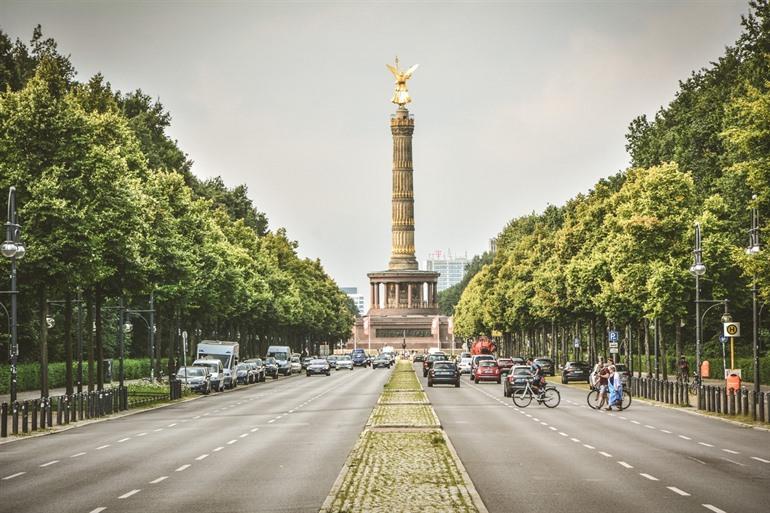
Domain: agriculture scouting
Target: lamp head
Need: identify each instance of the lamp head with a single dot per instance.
(20, 250)
(8, 249)
(698, 269)
(726, 317)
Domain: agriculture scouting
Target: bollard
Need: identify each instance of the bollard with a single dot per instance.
(745, 402)
(731, 402)
(15, 421)
(66, 412)
(42, 413)
(753, 405)
(25, 417)
(49, 411)
(3, 420)
(761, 407)
(59, 411)
(713, 395)
(738, 402)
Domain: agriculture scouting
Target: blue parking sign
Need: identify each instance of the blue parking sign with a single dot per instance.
(614, 336)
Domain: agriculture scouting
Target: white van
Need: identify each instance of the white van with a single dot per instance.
(216, 369)
(282, 355)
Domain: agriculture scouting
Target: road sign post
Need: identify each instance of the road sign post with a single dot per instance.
(732, 330)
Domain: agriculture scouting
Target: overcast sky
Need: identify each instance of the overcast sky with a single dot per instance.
(517, 105)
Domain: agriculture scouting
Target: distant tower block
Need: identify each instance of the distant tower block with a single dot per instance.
(402, 216)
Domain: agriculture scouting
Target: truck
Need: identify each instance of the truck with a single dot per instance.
(483, 345)
(224, 351)
(282, 355)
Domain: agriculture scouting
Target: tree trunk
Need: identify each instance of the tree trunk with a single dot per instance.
(663, 351)
(592, 356)
(647, 357)
(158, 322)
(639, 337)
(99, 339)
(678, 338)
(43, 303)
(68, 341)
(90, 339)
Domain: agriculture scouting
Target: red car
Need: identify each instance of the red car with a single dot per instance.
(486, 370)
(505, 364)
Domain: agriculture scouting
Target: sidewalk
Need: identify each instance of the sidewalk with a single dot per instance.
(31, 395)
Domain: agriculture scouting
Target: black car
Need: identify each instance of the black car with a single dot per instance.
(428, 363)
(244, 374)
(305, 361)
(419, 358)
(444, 372)
(517, 379)
(381, 360)
(549, 369)
(575, 371)
(271, 367)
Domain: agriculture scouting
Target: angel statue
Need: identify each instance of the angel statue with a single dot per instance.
(401, 95)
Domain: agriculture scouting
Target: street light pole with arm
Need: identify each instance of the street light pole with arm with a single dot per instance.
(697, 269)
(13, 249)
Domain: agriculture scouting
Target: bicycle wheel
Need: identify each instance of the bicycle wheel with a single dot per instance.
(626, 401)
(522, 398)
(694, 388)
(551, 398)
(593, 399)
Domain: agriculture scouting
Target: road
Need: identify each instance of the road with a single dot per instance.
(572, 458)
(272, 447)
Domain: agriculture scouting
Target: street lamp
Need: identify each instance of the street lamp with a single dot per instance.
(697, 269)
(751, 250)
(13, 249)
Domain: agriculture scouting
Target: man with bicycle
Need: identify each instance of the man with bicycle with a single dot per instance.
(684, 369)
(538, 379)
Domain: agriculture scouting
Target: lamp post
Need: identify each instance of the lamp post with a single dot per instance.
(754, 249)
(697, 269)
(13, 249)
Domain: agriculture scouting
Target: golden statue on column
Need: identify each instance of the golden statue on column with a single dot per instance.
(401, 95)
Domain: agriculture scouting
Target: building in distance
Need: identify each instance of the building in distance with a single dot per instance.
(452, 268)
(357, 298)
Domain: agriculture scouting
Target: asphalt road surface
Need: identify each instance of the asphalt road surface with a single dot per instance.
(575, 459)
(271, 447)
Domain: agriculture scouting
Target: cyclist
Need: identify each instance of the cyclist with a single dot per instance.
(538, 379)
(684, 369)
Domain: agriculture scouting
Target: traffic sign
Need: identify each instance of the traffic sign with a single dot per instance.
(723, 339)
(732, 329)
(576, 342)
(613, 347)
(614, 336)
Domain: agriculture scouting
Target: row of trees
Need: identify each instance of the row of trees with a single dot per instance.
(110, 209)
(618, 256)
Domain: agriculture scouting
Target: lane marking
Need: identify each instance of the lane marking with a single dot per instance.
(733, 461)
(77, 455)
(156, 481)
(17, 474)
(253, 430)
(576, 440)
(158, 430)
(650, 427)
(760, 459)
(231, 442)
(202, 457)
(197, 417)
(544, 423)
(696, 459)
(562, 433)
(552, 428)
(665, 431)
(49, 463)
(183, 467)
(129, 494)
(731, 451)
(589, 446)
(140, 434)
(123, 440)
(605, 454)
(677, 490)
(705, 444)
(622, 417)
(172, 425)
(102, 447)
(271, 421)
(218, 449)
(244, 435)
(648, 476)
(684, 437)
(98, 510)
(713, 508)
(207, 413)
(635, 422)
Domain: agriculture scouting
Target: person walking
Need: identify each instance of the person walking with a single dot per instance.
(684, 370)
(594, 377)
(602, 380)
(615, 386)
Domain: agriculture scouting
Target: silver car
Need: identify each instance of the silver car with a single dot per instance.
(318, 366)
(464, 365)
(344, 362)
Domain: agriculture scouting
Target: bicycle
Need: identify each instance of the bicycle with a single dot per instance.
(549, 396)
(595, 402)
(695, 384)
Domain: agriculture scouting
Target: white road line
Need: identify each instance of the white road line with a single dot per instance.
(158, 430)
(528, 415)
(622, 417)
(605, 454)
(129, 494)
(576, 440)
(218, 449)
(231, 442)
(635, 422)
(140, 434)
(291, 411)
(202, 457)
(156, 481)
(684, 437)
(49, 463)
(648, 476)
(731, 451)
(677, 490)
(197, 417)
(665, 431)
(17, 474)
(624, 464)
(536, 419)
(562, 433)
(102, 447)
(650, 427)
(77, 455)
(589, 446)
(544, 423)
(713, 508)
(98, 510)
(271, 421)
(172, 425)
(705, 444)
(183, 467)
(760, 459)
(124, 440)
(735, 462)
(552, 428)
(244, 435)
(253, 430)
(207, 413)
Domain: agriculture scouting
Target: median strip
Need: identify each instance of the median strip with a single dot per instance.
(403, 442)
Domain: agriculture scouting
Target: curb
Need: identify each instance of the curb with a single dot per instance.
(327, 504)
(475, 497)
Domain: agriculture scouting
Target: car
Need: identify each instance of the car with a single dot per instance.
(464, 365)
(305, 360)
(444, 372)
(487, 370)
(575, 371)
(344, 362)
(464, 354)
(318, 366)
(549, 369)
(419, 358)
(475, 359)
(359, 358)
(505, 364)
(625, 374)
(332, 359)
(428, 363)
(518, 360)
(197, 379)
(216, 371)
(271, 367)
(244, 374)
(381, 360)
(258, 367)
(296, 364)
(516, 379)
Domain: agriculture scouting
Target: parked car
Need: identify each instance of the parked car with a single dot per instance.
(271, 367)
(475, 359)
(344, 362)
(318, 366)
(487, 370)
(419, 358)
(549, 369)
(258, 368)
(516, 379)
(304, 361)
(359, 357)
(444, 372)
(244, 374)
(505, 364)
(625, 374)
(464, 365)
(575, 371)
(428, 363)
(381, 360)
(197, 379)
(332, 359)
(296, 365)
(215, 369)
